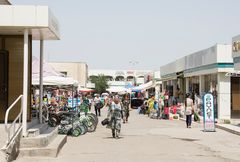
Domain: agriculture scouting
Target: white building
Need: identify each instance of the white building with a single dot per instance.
(120, 77)
(202, 72)
(76, 70)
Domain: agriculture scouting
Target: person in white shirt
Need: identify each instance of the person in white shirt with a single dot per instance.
(97, 105)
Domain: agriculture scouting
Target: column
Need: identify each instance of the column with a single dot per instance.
(25, 83)
(224, 96)
(187, 85)
(41, 82)
(174, 87)
(201, 84)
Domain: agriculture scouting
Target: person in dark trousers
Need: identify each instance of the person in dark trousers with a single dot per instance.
(97, 105)
(189, 109)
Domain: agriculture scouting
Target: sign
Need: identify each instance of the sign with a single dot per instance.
(208, 113)
(76, 102)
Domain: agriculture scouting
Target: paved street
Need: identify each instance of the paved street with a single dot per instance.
(144, 139)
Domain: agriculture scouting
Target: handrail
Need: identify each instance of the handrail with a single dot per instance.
(13, 124)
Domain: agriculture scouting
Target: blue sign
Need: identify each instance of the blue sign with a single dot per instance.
(208, 113)
(76, 102)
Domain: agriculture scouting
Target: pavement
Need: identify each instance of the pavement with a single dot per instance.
(144, 139)
(229, 128)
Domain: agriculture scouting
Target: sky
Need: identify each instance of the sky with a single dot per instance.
(137, 34)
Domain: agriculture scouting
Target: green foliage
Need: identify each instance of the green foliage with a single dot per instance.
(226, 121)
(100, 83)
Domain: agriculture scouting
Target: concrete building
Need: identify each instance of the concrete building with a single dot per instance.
(19, 26)
(202, 72)
(120, 78)
(76, 70)
(236, 75)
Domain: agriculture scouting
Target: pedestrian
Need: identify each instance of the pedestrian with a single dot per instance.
(189, 110)
(97, 105)
(126, 106)
(115, 117)
(150, 104)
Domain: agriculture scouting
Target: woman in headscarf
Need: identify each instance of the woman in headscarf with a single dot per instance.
(116, 117)
(125, 110)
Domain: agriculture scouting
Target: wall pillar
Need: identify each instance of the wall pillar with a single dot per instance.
(201, 85)
(25, 83)
(187, 85)
(41, 82)
(224, 96)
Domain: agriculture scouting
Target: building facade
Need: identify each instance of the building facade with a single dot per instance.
(236, 74)
(76, 70)
(203, 72)
(19, 26)
(120, 78)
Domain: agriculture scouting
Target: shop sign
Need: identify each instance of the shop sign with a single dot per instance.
(208, 113)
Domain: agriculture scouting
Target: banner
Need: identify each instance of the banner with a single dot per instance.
(208, 113)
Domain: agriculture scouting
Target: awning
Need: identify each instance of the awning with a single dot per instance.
(144, 86)
(117, 90)
(39, 21)
(55, 80)
(86, 90)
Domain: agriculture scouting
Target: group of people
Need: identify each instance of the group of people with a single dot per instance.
(155, 108)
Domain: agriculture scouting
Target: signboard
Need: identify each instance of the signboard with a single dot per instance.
(76, 102)
(208, 113)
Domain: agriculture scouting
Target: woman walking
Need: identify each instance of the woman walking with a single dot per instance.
(189, 109)
(126, 105)
(116, 115)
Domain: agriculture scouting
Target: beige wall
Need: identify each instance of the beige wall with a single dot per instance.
(76, 70)
(14, 44)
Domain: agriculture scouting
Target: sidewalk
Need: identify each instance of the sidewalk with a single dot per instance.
(226, 127)
(229, 128)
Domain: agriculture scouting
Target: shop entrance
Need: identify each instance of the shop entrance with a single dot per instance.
(235, 97)
(4, 63)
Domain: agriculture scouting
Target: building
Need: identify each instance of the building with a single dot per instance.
(76, 70)
(19, 26)
(120, 78)
(202, 72)
(235, 75)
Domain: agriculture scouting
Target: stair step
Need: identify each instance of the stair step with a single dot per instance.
(37, 129)
(51, 150)
(41, 140)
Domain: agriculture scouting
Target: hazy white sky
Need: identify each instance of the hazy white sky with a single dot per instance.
(111, 33)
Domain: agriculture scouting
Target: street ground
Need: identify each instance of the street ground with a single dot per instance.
(144, 139)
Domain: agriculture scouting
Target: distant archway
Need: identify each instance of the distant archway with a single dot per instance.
(119, 78)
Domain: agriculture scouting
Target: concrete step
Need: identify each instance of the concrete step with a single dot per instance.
(37, 130)
(3, 156)
(51, 150)
(41, 140)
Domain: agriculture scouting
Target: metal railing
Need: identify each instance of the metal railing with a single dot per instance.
(16, 126)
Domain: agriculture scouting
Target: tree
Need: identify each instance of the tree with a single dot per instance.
(100, 83)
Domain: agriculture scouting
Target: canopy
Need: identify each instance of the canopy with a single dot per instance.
(47, 69)
(143, 86)
(117, 90)
(50, 75)
(85, 89)
(55, 80)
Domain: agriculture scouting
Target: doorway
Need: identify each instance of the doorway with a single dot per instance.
(4, 66)
(235, 97)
